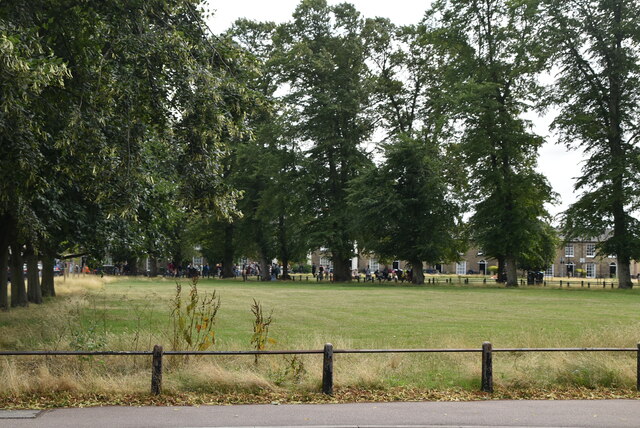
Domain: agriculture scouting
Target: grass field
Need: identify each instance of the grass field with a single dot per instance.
(133, 314)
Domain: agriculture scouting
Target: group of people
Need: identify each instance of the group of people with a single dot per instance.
(205, 271)
(191, 270)
(389, 275)
(320, 272)
(386, 274)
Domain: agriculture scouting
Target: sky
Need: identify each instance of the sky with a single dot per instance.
(559, 165)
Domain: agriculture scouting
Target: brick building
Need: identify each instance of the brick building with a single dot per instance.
(575, 258)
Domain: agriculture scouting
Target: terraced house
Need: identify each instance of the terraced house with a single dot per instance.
(577, 258)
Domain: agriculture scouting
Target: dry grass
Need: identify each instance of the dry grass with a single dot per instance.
(93, 313)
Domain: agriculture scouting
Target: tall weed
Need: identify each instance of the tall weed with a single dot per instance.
(193, 320)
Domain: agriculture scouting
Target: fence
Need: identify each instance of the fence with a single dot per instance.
(569, 282)
(486, 351)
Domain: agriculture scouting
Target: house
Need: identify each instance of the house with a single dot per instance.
(575, 258)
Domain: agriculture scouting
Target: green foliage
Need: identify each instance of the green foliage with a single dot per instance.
(321, 58)
(193, 320)
(293, 372)
(494, 58)
(405, 209)
(543, 249)
(115, 121)
(597, 52)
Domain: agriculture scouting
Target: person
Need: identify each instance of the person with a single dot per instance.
(205, 271)
(320, 272)
(367, 274)
(313, 270)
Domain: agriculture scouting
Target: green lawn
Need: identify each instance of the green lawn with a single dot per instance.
(391, 316)
(129, 314)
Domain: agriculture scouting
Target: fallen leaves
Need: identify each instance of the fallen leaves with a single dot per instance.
(341, 395)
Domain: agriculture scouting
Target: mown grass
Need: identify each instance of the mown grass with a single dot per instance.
(133, 314)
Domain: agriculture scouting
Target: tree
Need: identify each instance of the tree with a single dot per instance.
(495, 58)
(542, 253)
(322, 61)
(27, 68)
(105, 89)
(405, 207)
(597, 55)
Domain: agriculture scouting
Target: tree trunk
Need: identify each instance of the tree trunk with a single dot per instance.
(512, 272)
(133, 266)
(18, 289)
(417, 273)
(624, 274)
(264, 268)
(47, 285)
(227, 257)
(34, 292)
(501, 277)
(4, 265)
(284, 253)
(153, 266)
(341, 269)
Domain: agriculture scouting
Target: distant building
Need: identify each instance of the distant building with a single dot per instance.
(575, 258)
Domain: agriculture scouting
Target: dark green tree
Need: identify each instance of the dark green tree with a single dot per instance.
(408, 207)
(405, 208)
(596, 52)
(322, 56)
(27, 68)
(123, 81)
(495, 60)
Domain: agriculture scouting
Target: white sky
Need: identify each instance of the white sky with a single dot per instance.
(559, 165)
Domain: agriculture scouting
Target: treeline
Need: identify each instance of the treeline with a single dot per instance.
(128, 129)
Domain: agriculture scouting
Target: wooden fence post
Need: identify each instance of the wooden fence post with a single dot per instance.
(156, 371)
(487, 367)
(638, 369)
(327, 370)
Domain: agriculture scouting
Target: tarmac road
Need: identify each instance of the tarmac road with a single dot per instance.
(561, 413)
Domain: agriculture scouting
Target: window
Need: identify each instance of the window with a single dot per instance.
(591, 270)
(461, 268)
(568, 250)
(197, 261)
(396, 265)
(374, 265)
(549, 272)
(480, 253)
(591, 250)
(324, 261)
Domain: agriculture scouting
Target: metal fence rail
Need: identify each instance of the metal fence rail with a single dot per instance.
(327, 366)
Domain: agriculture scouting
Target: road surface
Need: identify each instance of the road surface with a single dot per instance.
(561, 413)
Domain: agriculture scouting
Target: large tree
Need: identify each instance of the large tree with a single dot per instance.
(495, 60)
(27, 68)
(407, 207)
(322, 55)
(596, 53)
(109, 92)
